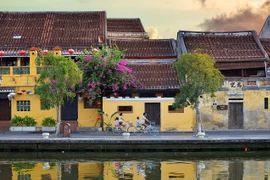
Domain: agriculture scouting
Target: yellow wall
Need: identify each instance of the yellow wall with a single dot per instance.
(168, 121)
(254, 114)
(35, 106)
(87, 117)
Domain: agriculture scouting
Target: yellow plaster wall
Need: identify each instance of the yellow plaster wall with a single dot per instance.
(255, 116)
(87, 117)
(35, 106)
(168, 121)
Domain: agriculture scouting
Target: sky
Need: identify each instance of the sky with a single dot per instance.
(164, 18)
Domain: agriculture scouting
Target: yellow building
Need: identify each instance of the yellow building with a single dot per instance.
(22, 34)
(26, 33)
(242, 101)
(151, 63)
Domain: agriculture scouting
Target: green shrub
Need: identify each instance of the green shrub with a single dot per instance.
(29, 121)
(48, 121)
(17, 121)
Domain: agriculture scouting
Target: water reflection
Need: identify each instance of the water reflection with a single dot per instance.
(134, 167)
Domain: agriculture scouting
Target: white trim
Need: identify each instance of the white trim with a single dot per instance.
(140, 99)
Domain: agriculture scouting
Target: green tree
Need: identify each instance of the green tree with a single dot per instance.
(58, 77)
(197, 76)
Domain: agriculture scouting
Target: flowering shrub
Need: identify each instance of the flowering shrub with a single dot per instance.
(105, 69)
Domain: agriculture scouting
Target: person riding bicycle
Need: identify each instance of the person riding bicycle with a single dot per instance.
(138, 122)
(116, 122)
(143, 119)
(121, 120)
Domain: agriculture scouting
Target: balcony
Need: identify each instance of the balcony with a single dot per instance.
(21, 70)
(10, 70)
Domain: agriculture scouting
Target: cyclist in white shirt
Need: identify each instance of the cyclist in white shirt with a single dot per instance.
(121, 120)
(143, 119)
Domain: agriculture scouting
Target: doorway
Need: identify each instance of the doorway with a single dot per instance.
(236, 115)
(153, 112)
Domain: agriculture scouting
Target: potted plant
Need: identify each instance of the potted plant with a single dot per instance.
(29, 124)
(48, 124)
(16, 123)
(108, 122)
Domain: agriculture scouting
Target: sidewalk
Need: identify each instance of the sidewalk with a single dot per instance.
(255, 134)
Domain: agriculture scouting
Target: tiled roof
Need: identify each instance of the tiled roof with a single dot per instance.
(266, 45)
(124, 25)
(22, 30)
(155, 76)
(223, 46)
(145, 49)
(267, 49)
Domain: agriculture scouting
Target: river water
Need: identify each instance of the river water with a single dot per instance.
(136, 166)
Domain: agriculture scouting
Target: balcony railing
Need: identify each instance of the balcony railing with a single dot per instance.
(4, 70)
(21, 70)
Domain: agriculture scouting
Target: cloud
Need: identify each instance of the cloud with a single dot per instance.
(153, 33)
(244, 18)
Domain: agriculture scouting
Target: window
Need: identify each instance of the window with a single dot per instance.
(23, 105)
(173, 110)
(87, 105)
(265, 103)
(125, 109)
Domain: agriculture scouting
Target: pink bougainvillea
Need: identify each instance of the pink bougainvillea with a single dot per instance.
(105, 69)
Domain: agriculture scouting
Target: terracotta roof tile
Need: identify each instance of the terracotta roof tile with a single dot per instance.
(267, 49)
(222, 46)
(145, 49)
(155, 76)
(124, 25)
(49, 29)
(266, 45)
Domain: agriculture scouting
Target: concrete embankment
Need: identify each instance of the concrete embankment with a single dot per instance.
(154, 145)
(183, 142)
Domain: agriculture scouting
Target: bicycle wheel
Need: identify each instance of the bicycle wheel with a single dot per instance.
(139, 131)
(154, 131)
(117, 131)
(132, 130)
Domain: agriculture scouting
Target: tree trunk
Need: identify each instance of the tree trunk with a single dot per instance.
(58, 117)
(198, 119)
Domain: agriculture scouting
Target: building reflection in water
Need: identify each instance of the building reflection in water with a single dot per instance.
(135, 170)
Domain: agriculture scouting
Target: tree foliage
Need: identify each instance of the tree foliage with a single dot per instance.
(105, 69)
(197, 76)
(58, 78)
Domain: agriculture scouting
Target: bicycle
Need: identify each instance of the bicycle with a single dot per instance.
(128, 128)
(149, 129)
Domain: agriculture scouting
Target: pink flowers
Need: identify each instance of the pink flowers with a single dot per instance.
(88, 58)
(123, 62)
(105, 70)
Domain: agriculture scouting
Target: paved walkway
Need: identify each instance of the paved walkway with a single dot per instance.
(213, 135)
